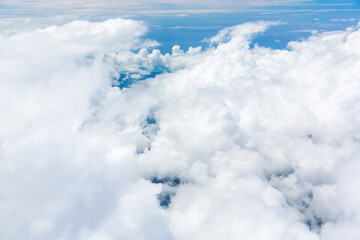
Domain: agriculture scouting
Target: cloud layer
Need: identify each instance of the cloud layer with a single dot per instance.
(42, 7)
(98, 141)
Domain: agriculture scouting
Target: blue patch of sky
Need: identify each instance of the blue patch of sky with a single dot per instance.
(126, 79)
(299, 22)
(190, 29)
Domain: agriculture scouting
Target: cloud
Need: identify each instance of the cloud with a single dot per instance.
(48, 8)
(342, 19)
(53, 82)
(102, 138)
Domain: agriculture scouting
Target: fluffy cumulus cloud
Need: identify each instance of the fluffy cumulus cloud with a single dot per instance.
(103, 138)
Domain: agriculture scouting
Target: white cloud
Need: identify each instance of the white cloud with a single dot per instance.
(342, 19)
(48, 8)
(141, 4)
(245, 143)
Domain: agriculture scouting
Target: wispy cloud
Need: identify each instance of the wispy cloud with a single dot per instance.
(42, 7)
(342, 19)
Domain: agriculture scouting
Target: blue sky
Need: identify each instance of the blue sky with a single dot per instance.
(162, 7)
(188, 23)
(300, 21)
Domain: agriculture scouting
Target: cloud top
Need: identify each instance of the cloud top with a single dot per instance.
(228, 142)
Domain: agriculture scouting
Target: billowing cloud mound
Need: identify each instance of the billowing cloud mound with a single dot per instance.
(99, 142)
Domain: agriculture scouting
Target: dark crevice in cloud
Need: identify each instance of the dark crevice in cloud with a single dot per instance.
(280, 174)
(302, 202)
(150, 127)
(169, 185)
(315, 224)
(170, 181)
(164, 198)
(150, 119)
